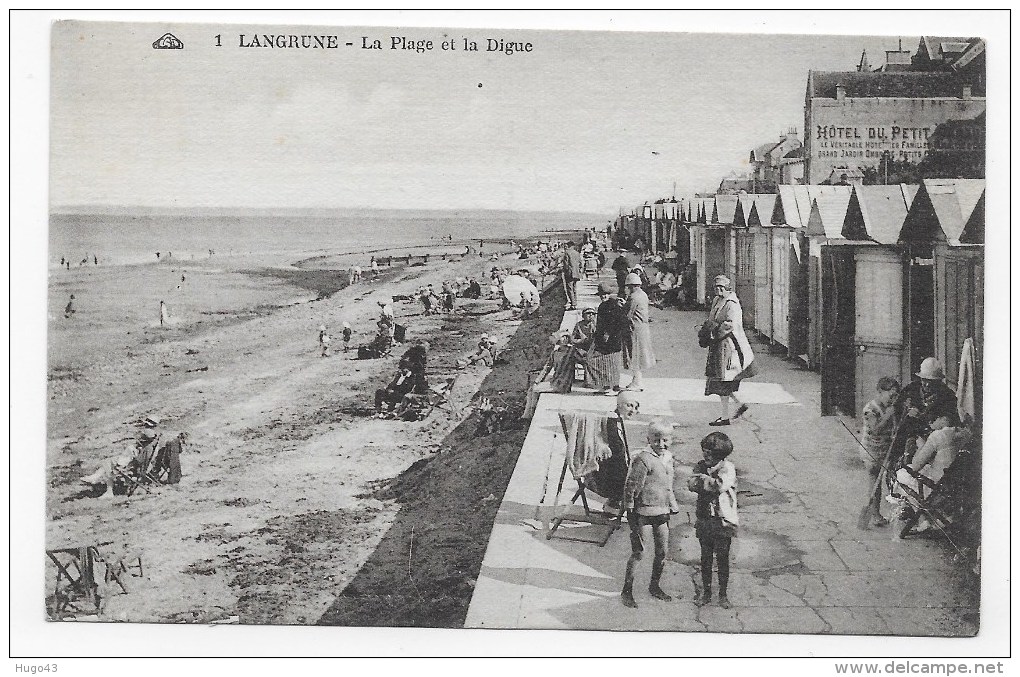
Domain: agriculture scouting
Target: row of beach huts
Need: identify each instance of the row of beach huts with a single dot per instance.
(857, 281)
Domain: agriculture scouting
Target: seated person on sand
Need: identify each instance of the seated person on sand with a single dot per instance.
(557, 376)
(486, 353)
(406, 382)
(106, 476)
(415, 357)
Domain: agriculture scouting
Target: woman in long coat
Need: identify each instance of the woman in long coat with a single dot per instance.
(730, 358)
(637, 345)
(602, 368)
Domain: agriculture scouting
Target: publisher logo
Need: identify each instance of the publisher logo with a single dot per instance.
(168, 41)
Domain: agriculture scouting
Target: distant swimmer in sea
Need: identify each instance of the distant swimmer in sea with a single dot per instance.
(164, 315)
(70, 309)
(157, 256)
(95, 260)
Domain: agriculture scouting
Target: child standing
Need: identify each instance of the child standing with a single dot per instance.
(877, 429)
(347, 336)
(323, 341)
(714, 480)
(649, 500)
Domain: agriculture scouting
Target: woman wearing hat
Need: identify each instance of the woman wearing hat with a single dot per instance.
(602, 368)
(637, 343)
(730, 358)
(557, 375)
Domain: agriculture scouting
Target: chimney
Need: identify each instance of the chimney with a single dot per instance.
(840, 92)
(966, 91)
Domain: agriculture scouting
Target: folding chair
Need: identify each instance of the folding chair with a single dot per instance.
(140, 472)
(589, 517)
(941, 502)
(76, 589)
(441, 397)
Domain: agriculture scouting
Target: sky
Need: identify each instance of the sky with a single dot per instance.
(587, 121)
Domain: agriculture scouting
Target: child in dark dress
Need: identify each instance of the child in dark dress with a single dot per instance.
(714, 480)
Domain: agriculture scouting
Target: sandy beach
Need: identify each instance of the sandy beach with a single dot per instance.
(296, 507)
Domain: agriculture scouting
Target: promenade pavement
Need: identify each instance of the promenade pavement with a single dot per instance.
(799, 564)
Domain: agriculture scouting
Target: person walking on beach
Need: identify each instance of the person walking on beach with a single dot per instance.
(323, 341)
(61, 261)
(572, 272)
(649, 501)
(95, 260)
(70, 309)
(164, 315)
(638, 354)
(347, 331)
(602, 368)
(621, 266)
(730, 358)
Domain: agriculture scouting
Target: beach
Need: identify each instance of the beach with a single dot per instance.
(296, 506)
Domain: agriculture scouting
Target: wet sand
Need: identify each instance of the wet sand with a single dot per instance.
(289, 486)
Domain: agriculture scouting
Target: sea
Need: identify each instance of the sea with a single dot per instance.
(133, 235)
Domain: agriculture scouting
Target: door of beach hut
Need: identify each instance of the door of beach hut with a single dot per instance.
(838, 326)
(798, 294)
(744, 281)
(779, 244)
(878, 332)
(959, 303)
(715, 255)
(762, 282)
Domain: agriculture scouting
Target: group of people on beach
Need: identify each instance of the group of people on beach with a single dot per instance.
(65, 261)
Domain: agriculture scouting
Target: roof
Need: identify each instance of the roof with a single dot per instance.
(877, 212)
(942, 210)
(784, 209)
(937, 46)
(797, 152)
(974, 229)
(761, 212)
(745, 203)
(906, 84)
(759, 153)
(725, 209)
(828, 210)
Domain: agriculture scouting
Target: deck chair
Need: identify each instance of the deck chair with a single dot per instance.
(440, 397)
(141, 472)
(613, 522)
(86, 576)
(942, 502)
(76, 589)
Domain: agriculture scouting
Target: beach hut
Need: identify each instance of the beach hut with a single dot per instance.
(824, 224)
(706, 249)
(762, 275)
(788, 242)
(868, 255)
(717, 240)
(743, 258)
(943, 235)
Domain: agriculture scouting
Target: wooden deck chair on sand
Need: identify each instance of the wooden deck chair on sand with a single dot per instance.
(85, 576)
(419, 407)
(586, 446)
(941, 504)
(141, 472)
